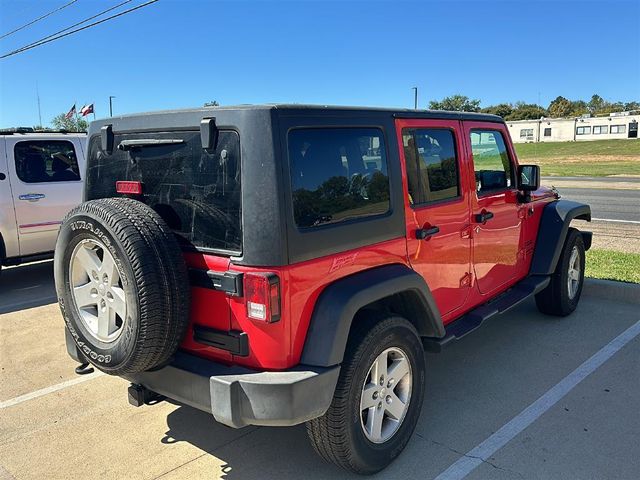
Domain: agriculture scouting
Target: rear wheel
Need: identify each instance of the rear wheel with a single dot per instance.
(562, 295)
(378, 398)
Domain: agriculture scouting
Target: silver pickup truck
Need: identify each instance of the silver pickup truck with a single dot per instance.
(40, 181)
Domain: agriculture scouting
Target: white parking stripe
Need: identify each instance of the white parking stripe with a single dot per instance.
(45, 391)
(614, 220)
(475, 457)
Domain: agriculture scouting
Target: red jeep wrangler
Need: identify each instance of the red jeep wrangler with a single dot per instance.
(275, 265)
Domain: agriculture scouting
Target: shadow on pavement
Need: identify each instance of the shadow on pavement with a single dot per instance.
(251, 452)
(26, 286)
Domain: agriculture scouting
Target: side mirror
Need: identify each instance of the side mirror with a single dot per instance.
(528, 178)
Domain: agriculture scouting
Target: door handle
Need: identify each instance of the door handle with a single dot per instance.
(32, 197)
(424, 233)
(483, 217)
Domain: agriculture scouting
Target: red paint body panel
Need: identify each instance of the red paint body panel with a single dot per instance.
(279, 345)
(209, 308)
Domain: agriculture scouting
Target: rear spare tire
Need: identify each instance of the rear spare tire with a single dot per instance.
(122, 285)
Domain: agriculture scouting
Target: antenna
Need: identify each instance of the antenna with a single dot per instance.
(39, 111)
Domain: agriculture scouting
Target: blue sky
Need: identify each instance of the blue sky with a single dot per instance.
(181, 53)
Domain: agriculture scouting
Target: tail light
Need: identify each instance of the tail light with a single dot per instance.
(262, 296)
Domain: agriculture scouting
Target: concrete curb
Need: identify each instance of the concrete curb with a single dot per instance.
(610, 290)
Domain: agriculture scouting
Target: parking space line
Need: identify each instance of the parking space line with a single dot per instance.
(476, 456)
(615, 220)
(45, 391)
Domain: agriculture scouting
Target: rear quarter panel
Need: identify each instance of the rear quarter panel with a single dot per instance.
(279, 345)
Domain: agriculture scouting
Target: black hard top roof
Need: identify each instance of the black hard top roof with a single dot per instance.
(301, 109)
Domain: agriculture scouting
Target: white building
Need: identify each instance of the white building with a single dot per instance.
(616, 125)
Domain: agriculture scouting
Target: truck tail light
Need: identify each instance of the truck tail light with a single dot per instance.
(129, 188)
(262, 296)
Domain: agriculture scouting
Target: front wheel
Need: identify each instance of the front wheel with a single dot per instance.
(378, 398)
(562, 295)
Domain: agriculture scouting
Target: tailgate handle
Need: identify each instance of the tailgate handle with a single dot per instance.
(228, 282)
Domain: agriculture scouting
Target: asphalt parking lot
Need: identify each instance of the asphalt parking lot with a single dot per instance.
(519, 370)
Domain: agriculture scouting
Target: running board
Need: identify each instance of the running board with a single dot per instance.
(501, 304)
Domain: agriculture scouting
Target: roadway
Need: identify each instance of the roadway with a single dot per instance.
(607, 203)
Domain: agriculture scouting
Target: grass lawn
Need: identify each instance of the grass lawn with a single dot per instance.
(599, 158)
(608, 265)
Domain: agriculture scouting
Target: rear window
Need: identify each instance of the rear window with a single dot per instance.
(337, 174)
(197, 192)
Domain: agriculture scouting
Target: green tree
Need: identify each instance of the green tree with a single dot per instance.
(560, 107)
(631, 106)
(456, 103)
(502, 110)
(527, 111)
(578, 108)
(597, 104)
(72, 124)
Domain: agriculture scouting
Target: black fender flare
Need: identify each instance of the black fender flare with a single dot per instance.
(552, 232)
(338, 304)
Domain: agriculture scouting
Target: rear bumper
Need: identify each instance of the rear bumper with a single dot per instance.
(238, 397)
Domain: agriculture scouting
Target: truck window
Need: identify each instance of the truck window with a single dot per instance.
(432, 166)
(337, 174)
(39, 161)
(491, 162)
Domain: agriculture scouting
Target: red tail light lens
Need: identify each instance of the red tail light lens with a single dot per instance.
(129, 188)
(262, 296)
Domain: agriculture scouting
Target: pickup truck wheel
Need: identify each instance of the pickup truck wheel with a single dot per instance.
(122, 285)
(378, 398)
(562, 295)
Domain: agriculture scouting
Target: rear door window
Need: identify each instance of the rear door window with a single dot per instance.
(197, 192)
(337, 174)
(432, 167)
(43, 161)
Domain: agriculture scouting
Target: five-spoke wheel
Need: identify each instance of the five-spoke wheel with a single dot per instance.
(97, 290)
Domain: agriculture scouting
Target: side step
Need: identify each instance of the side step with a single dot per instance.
(473, 319)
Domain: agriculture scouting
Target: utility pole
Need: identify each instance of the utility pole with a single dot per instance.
(415, 97)
(111, 105)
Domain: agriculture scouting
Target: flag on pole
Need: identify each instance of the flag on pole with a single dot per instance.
(86, 110)
(71, 112)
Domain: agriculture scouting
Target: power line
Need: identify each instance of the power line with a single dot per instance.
(38, 19)
(26, 47)
(51, 39)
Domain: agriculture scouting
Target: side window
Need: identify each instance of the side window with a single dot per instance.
(432, 166)
(491, 162)
(39, 161)
(337, 174)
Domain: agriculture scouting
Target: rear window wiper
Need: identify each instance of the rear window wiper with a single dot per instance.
(147, 142)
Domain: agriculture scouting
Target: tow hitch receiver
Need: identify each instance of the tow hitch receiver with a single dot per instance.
(140, 395)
